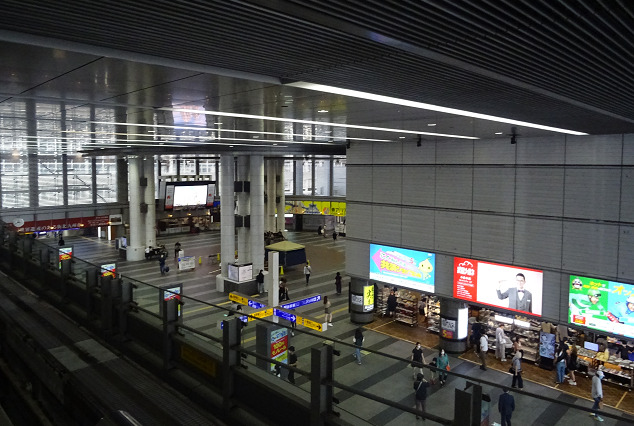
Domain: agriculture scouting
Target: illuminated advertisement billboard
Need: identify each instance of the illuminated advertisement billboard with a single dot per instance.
(65, 253)
(602, 305)
(109, 270)
(507, 287)
(402, 267)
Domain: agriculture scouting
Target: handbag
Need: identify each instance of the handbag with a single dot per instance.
(512, 370)
(448, 368)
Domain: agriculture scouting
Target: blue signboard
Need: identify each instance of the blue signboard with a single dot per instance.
(408, 268)
(301, 302)
(256, 305)
(285, 315)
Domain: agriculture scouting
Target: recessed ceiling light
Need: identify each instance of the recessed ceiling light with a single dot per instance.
(401, 137)
(218, 123)
(230, 146)
(255, 136)
(431, 124)
(498, 133)
(322, 110)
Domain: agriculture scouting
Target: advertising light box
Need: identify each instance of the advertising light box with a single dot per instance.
(406, 268)
(507, 287)
(602, 305)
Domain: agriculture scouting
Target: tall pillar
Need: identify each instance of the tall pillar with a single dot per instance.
(150, 216)
(227, 219)
(280, 199)
(454, 317)
(31, 137)
(270, 195)
(243, 209)
(136, 249)
(256, 176)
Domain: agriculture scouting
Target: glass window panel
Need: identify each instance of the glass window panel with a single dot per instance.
(322, 176)
(79, 180)
(168, 165)
(339, 177)
(289, 179)
(50, 180)
(307, 169)
(106, 170)
(188, 167)
(15, 182)
(207, 167)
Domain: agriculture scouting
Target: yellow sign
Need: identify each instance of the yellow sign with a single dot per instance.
(312, 324)
(260, 314)
(199, 359)
(368, 295)
(238, 299)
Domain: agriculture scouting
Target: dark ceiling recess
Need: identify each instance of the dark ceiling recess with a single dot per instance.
(560, 63)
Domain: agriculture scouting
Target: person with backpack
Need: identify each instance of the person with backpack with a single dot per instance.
(420, 392)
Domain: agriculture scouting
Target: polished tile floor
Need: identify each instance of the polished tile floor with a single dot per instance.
(387, 377)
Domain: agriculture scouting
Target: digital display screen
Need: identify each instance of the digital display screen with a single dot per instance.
(602, 305)
(189, 195)
(109, 270)
(504, 286)
(406, 268)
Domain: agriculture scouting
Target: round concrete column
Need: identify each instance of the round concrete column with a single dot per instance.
(135, 249)
(454, 322)
(359, 296)
(256, 176)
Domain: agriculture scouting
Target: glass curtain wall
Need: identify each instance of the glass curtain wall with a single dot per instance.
(289, 176)
(339, 176)
(322, 177)
(50, 162)
(14, 165)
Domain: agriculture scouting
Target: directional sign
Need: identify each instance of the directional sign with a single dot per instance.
(260, 314)
(302, 302)
(256, 305)
(313, 324)
(285, 315)
(234, 297)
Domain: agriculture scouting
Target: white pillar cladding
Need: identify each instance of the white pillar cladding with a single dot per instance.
(279, 195)
(227, 219)
(270, 195)
(243, 209)
(136, 249)
(271, 281)
(256, 175)
(150, 216)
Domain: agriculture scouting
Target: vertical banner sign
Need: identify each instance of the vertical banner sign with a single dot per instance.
(279, 346)
(448, 327)
(211, 191)
(368, 298)
(169, 197)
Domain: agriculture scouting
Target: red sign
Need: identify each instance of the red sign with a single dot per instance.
(279, 346)
(579, 319)
(465, 277)
(61, 224)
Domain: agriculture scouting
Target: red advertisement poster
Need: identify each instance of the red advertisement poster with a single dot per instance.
(465, 277)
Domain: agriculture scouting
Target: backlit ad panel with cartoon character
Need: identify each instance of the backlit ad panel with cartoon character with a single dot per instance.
(406, 268)
(601, 305)
(504, 286)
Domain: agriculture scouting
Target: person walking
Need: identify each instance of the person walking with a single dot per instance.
(358, 344)
(484, 348)
(572, 365)
(560, 362)
(500, 343)
(420, 393)
(327, 313)
(506, 406)
(177, 248)
(319, 230)
(516, 367)
(162, 267)
(283, 295)
(334, 235)
(442, 362)
(338, 283)
(292, 362)
(260, 280)
(597, 395)
(307, 271)
(418, 359)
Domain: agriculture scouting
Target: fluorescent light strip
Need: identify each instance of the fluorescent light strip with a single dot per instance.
(299, 135)
(421, 105)
(323, 123)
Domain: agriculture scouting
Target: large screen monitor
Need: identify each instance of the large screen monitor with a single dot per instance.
(402, 267)
(180, 195)
(602, 305)
(504, 286)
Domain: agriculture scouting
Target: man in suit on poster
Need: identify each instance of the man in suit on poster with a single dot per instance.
(519, 298)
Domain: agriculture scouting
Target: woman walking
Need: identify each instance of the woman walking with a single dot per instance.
(516, 368)
(358, 343)
(572, 365)
(328, 314)
(443, 366)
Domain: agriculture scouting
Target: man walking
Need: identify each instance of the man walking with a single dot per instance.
(506, 405)
(260, 280)
(307, 271)
(597, 395)
(420, 392)
(292, 362)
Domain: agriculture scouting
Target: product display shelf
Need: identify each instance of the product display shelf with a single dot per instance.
(617, 371)
(433, 314)
(381, 301)
(407, 308)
